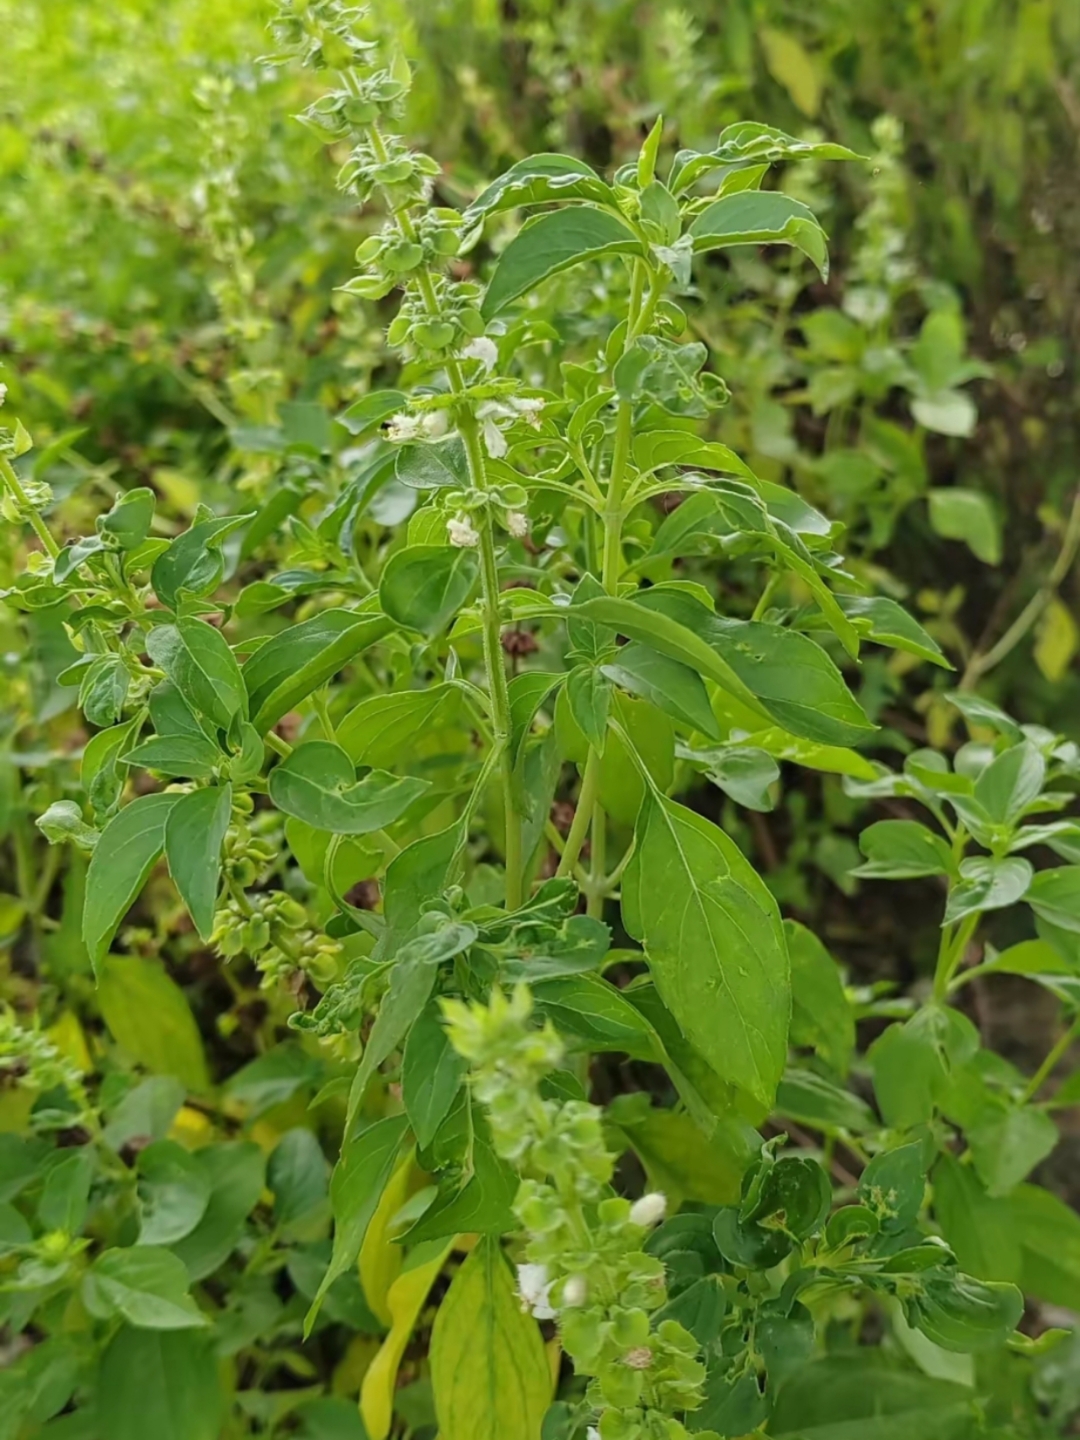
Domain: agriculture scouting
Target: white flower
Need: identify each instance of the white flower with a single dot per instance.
(592, 1433)
(494, 440)
(3, 394)
(649, 1210)
(528, 407)
(484, 350)
(517, 523)
(575, 1291)
(462, 532)
(404, 427)
(436, 423)
(534, 1287)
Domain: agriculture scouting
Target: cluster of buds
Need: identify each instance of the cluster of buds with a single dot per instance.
(272, 930)
(29, 1060)
(586, 1265)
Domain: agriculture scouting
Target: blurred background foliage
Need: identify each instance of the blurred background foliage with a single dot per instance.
(170, 240)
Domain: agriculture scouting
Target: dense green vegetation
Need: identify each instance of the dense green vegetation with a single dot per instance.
(518, 521)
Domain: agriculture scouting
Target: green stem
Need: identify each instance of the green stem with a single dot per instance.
(41, 530)
(1049, 1065)
(583, 815)
(489, 570)
(954, 941)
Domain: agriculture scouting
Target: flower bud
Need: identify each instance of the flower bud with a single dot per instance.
(575, 1291)
(462, 532)
(649, 1210)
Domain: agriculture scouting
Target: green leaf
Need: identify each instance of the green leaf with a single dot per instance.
(317, 784)
(761, 217)
(968, 515)
(714, 941)
(356, 1185)
(967, 1315)
(903, 850)
(297, 661)
(273, 1078)
(682, 1161)
(162, 1383)
(670, 685)
(489, 1368)
(539, 180)
(527, 693)
(1048, 1232)
(149, 1018)
(421, 871)
(552, 243)
(893, 1186)
(412, 980)
(66, 1192)
(439, 465)
(382, 728)
(125, 854)
(128, 522)
(988, 884)
(1007, 1146)
(744, 772)
(821, 1016)
(810, 1099)
(1054, 895)
(1011, 782)
(887, 623)
(595, 1011)
(365, 414)
(671, 638)
(424, 586)
(198, 661)
(655, 449)
(298, 1176)
(947, 412)
(868, 1397)
(193, 562)
(432, 1073)
(147, 1111)
(912, 1063)
(483, 1205)
(194, 833)
(174, 1192)
(979, 1229)
(588, 694)
(191, 757)
(790, 676)
(236, 1172)
(144, 1285)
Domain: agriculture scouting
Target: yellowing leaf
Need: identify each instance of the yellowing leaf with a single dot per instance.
(380, 1259)
(1056, 640)
(489, 1368)
(148, 1016)
(791, 66)
(67, 1035)
(404, 1301)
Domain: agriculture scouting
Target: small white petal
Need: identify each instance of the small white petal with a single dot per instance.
(534, 1287)
(494, 440)
(484, 350)
(517, 523)
(462, 533)
(404, 427)
(649, 1210)
(436, 423)
(3, 394)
